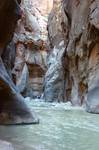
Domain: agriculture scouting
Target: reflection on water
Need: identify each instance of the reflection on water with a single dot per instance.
(61, 128)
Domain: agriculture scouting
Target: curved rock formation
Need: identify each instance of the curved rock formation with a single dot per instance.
(12, 107)
(76, 22)
(31, 49)
(73, 37)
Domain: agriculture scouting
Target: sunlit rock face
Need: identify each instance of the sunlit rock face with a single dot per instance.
(41, 11)
(31, 48)
(54, 83)
(80, 32)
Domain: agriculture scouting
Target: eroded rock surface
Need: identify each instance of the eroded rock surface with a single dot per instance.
(72, 62)
(54, 83)
(76, 22)
(13, 110)
(31, 48)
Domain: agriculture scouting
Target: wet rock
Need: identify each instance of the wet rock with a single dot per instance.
(5, 145)
(92, 104)
(93, 80)
(14, 110)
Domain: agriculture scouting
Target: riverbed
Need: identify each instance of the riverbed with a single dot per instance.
(61, 127)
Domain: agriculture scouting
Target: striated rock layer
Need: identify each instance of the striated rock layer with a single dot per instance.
(75, 24)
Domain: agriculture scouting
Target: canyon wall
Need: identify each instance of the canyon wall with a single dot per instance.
(13, 109)
(73, 70)
(63, 67)
(31, 48)
(54, 83)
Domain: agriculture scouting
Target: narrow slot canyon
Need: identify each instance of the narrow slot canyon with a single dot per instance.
(49, 75)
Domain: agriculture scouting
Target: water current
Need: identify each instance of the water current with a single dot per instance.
(61, 127)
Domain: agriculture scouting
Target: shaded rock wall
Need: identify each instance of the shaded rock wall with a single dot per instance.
(13, 109)
(80, 33)
(31, 48)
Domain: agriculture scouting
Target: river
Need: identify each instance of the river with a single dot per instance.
(61, 127)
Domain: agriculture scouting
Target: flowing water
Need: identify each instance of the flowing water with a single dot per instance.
(61, 128)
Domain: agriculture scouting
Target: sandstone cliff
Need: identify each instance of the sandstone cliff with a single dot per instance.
(31, 48)
(73, 32)
(65, 67)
